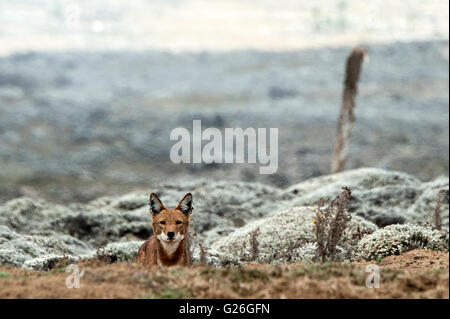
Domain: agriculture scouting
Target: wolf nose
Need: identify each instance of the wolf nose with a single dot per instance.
(170, 234)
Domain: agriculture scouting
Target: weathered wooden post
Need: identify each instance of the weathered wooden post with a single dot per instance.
(346, 116)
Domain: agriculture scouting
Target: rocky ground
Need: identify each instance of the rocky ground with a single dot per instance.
(389, 210)
(258, 242)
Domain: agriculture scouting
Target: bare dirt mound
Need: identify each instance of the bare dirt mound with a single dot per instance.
(415, 261)
(415, 274)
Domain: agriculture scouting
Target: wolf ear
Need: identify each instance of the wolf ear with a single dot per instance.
(156, 206)
(185, 204)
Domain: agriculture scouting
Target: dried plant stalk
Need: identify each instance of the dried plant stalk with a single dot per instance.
(330, 224)
(203, 253)
(254, 244)
(437, 219)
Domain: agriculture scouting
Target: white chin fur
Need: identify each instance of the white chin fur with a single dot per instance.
(170, 246)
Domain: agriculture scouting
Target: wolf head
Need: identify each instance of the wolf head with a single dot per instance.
(170, 226)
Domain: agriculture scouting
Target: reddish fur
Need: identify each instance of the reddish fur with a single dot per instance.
(152, 251)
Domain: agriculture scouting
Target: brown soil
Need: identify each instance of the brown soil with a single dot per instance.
(415, 261)
(415, 274)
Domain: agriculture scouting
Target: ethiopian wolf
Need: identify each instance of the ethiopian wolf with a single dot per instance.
(168, 245)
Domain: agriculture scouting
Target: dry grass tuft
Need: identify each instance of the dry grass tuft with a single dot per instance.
(203, 253)
(330, 224)
(100, 246)
(437, 218)
(254, 244)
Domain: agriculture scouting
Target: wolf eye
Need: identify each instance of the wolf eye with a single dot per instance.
(162, 222)
(179, 222)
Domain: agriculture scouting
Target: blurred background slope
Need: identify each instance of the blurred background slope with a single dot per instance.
(90, 90)
(214, 24)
